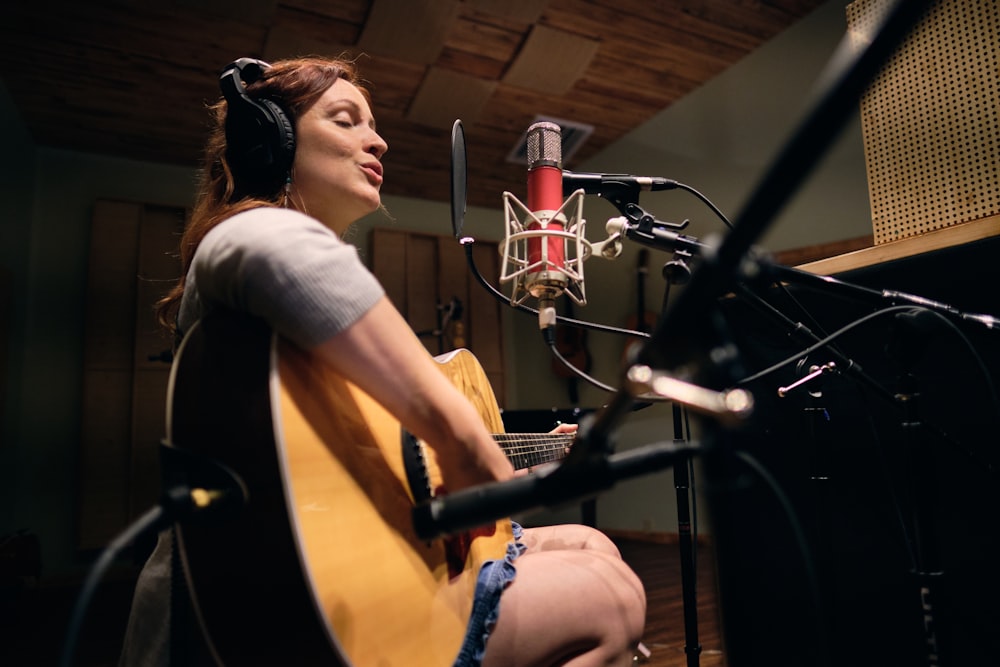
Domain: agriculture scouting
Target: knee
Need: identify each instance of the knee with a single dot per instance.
(626, 592)
(589, 539)
(631, 596)
(630, 599)
(570, 537)
(598, 541)
(637, 610)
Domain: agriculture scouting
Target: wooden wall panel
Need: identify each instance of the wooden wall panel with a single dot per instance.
(157, 270)
(107, 373)
(102, 509)
(436, 272)
(485, 331)
(148, 408)
(132, 263)
(453, 284)
(110, 299)
(421, 287)
(389, 264)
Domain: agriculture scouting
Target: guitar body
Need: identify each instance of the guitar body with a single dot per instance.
(322, 565)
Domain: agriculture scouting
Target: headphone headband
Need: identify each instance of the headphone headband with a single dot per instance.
(239, 74)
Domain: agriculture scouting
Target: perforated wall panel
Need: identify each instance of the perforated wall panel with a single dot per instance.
(930, 120)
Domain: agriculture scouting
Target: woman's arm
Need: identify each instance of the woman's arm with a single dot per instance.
(381, 355)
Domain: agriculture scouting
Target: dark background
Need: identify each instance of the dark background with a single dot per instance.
(858, 522)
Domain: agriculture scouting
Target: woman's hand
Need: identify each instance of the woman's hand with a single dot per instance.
(559, 429)
(565, 428)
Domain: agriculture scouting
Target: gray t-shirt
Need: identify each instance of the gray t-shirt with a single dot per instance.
(284, 267)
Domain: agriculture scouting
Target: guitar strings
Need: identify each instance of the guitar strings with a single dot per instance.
(532, 449)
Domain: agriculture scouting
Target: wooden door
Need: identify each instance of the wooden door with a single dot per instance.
(132, 262)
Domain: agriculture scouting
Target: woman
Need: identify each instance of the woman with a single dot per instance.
(293, 161)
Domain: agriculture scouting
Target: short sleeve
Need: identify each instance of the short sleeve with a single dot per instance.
(284, 267)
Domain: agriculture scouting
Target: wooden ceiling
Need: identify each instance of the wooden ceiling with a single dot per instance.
(131, 79)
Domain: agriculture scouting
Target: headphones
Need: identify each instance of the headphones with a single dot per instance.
(260, 137)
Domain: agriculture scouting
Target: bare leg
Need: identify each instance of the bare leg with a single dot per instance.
(574, 603)
(568, 536)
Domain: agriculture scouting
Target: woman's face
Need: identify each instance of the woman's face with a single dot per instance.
(337, 174)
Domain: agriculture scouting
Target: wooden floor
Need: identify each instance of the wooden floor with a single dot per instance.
(32, 629)
(659, 567)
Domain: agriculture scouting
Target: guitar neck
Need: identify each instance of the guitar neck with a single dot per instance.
(531, 449)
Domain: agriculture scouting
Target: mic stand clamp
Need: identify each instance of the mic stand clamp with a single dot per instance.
(814, 372)
(677, 271)
(643, 228)
(729, 407)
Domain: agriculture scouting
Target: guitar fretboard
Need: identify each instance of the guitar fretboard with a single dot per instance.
(530, 449)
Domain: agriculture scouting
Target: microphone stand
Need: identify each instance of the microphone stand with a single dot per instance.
(687, 546)
(906, 345)
(675, 340)
(819, 443)
(688, 337)
(677, 272)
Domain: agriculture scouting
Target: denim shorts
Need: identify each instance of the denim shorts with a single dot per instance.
(494, 576)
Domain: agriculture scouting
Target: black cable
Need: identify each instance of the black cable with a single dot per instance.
(705, 200)
(152, 520)
(978, 360)
(980, 365)
(550, 340)
(824, 342)
(549, 335)
(179, 502)
(802, 309)
(987, 465)
(467, 243)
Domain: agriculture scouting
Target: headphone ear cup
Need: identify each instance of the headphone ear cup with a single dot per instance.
(260, 137)
(260, 141)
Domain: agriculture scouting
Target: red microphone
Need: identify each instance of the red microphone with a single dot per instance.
(545, 278)
(545, 244)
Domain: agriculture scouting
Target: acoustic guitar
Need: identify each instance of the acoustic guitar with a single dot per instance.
(322, 565)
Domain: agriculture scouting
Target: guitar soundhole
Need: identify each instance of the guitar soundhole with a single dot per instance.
(416, 468)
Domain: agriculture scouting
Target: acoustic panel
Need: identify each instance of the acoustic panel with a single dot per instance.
(930, 119)
(436, 103)
(526, 11)
(413, 33)
(551, 61)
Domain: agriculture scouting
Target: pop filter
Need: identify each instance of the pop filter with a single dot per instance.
(458, 178)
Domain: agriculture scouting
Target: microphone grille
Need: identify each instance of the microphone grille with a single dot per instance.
(544, 145)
